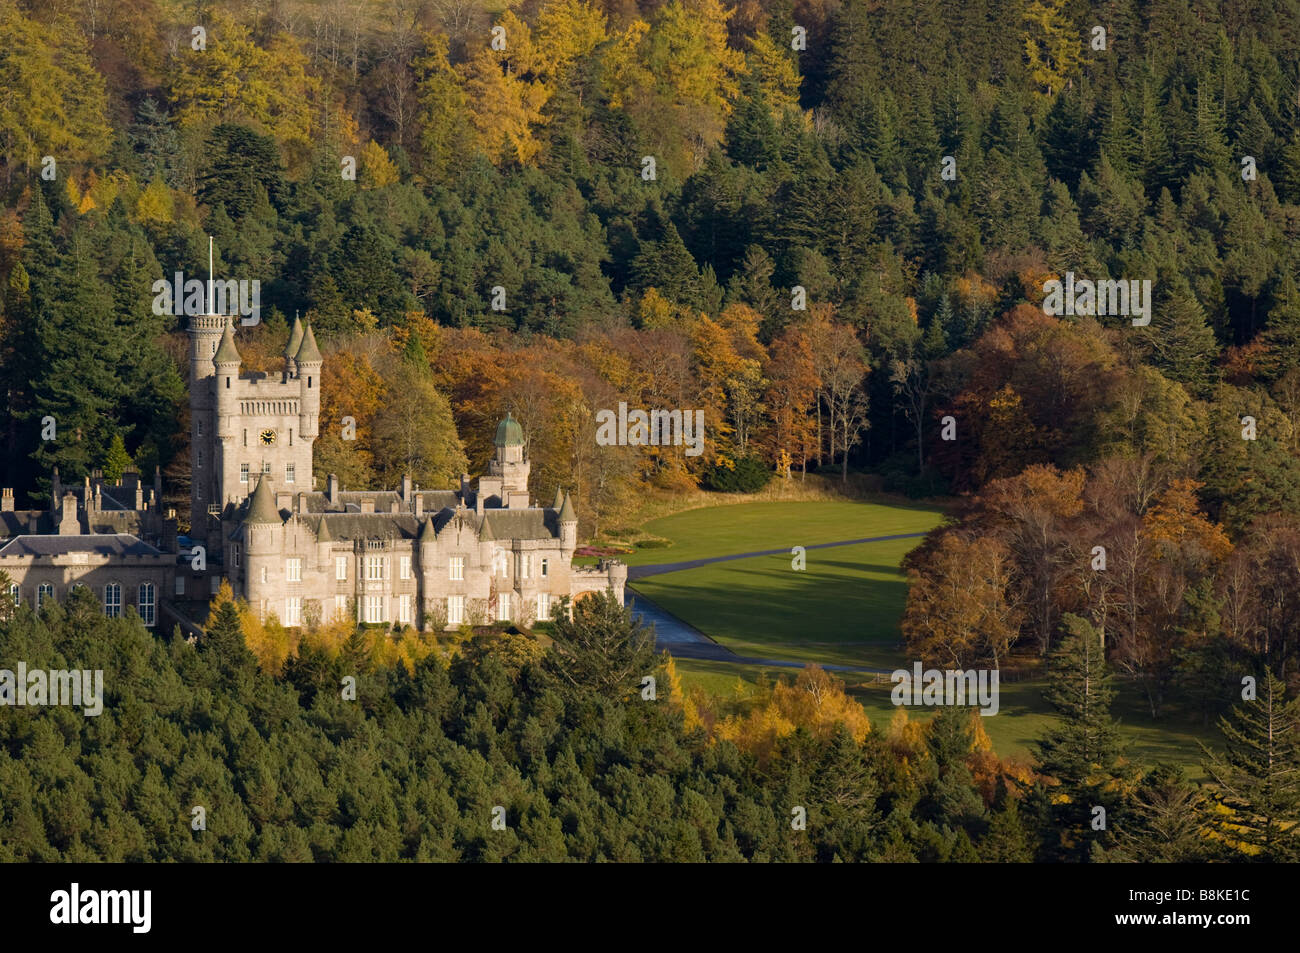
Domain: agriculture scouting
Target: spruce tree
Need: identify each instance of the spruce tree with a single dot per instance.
(1083, 752)
(1166, 822)
(1256, 779)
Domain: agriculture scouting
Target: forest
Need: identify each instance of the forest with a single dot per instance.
(826, 224)
(564, 751)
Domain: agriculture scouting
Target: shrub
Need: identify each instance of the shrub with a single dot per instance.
(749, 475)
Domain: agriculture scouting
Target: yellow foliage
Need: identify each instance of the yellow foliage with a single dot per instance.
(377, 169)
(567, 30)
(503, 108)
(155, 205)
(815, 701)
(624, 73)
(774, 68)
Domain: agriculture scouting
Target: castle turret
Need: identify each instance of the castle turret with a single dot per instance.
(263, 546)
(226, 361)
(324, 541)
(205, 337)
(568, 528)
(509, 463)
(308, 362)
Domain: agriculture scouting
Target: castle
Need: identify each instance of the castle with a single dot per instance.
(431, 559)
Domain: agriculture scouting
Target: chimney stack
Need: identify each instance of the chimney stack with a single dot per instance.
(7, 500)
(68, 523)
(333, 493)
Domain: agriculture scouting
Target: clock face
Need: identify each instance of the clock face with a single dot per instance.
(268, 437)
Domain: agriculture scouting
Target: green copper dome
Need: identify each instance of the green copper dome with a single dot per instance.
(509, 433)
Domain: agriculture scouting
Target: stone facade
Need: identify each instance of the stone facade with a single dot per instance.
(432, 559)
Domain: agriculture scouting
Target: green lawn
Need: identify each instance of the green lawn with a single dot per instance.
(842, 609)
(753, 527)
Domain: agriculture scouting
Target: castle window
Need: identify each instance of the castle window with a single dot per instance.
(234, 555)
(309, 383)
(293, 610)
(404, 609)
(245, 438)
(545, 563)
(404, 567)
(341, 568)
(293, 569)
(145, 605)
(180, 585)
(243, 468)
(340, 607)
(455, 610)
(374, 568)
(288, 473)
(503, 607)
(543, 607)
(199, 423)
(374, 608)
(113, 600)
(266, 467)
(15, 594)
(43, 591)
(456, 567)
(525, 565)
(263, 574)
(291, 436)
(227, 383)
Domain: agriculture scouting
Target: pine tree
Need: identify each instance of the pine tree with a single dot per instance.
(601, 649)
(1083, 752)
(1184, 344)
(1166, 822)
(224, 638)
(1256, 779)
(1008, 839)
(117, 460)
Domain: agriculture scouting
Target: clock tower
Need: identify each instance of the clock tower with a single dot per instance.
(252, 425)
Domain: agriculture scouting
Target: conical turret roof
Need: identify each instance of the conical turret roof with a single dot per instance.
(566, 511)
(308, 352)
(295, 339)
(261, 508)
(226, 351)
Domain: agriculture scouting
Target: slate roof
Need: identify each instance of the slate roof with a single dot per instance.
(118, 544)
(496, 525)
(432, 501)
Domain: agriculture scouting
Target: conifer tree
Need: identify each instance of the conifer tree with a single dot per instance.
(601, 649)
(1083, 751)
(1166, 822)
(1256, 778)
